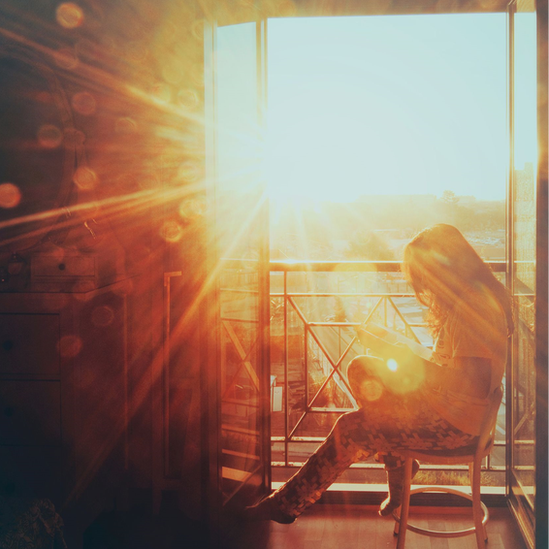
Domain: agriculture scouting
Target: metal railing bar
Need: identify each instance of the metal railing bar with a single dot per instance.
(299, 421)
(397, 311)
(338, 266)
(371, 313)
(335, 324)
(356, 266)
(307, 330)
(335, 368)
(239, 454)
(424, 468)
(243, 357)
(240, 430)
(320, 439)
(239, 291)
(242, 484)
(527, 416)
(228, 319)
(340, 294)
(322, 410)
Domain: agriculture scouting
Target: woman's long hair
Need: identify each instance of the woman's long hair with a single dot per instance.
(444, 269)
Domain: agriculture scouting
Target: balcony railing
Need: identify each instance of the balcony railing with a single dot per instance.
(315, 309)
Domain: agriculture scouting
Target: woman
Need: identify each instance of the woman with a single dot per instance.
(407, 402)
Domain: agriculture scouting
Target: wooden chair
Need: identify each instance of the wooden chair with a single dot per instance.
(474, 460)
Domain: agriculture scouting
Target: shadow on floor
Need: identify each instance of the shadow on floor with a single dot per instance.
(140, 529)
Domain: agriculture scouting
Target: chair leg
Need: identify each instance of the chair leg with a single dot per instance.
(480, 531)
(405, 507)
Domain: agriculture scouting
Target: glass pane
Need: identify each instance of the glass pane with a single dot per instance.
(239, 239)
(380, 126)
(524, 244)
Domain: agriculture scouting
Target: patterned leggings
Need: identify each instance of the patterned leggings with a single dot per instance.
(385, 423)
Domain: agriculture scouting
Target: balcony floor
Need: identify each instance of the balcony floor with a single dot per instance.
(329, 526)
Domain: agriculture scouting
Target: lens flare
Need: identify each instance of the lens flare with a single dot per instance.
(125, 126)
(371, 390)
(188, 171)
(161, 92)
(136, 52)
(83, 103)
(392, 364)
(69, 15)
(70, 346)
(197, 29)
(85, 178)
(171, 231)
(10, 195)
(74, 137)
(102, 316)
(187, 99)
(192, 209)
(49, 136)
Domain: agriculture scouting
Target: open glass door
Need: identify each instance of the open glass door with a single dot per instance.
(522, 256)
(241, 242)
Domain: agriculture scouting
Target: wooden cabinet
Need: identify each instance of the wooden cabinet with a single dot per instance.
(63, 399)
(29, 343)
(30, 413)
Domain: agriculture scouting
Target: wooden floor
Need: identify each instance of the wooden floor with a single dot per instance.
(335, 526)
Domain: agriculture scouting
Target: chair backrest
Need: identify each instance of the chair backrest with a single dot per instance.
(488, 427)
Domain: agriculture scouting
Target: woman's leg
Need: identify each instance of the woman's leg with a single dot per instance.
(367, 388)
(332, 458)
(345, 445)
(385, 423)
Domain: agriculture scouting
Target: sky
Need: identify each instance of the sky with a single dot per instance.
(376, 105)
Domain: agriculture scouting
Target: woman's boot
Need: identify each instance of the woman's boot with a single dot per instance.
(266, 509)
(395, 481)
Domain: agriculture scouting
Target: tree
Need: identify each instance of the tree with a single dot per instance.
(449, 197)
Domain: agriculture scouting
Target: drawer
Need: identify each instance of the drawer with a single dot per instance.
(29, 472)
(29, 343)
(68, 265)
(30, 413)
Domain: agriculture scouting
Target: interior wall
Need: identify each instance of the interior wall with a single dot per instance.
(113, 243)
